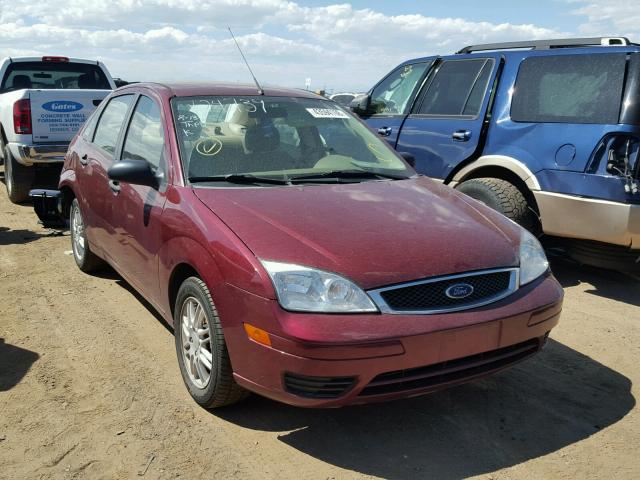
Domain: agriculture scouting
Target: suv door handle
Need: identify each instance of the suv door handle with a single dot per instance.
(114, 185)
(461, 135)
(84, 159)
(384, 131)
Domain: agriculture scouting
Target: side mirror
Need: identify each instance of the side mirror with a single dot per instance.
(136, 172)
(360, 105)
(409, 158)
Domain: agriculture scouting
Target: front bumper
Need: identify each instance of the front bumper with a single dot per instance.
(371, 358)
(41, 153)
(589, 219)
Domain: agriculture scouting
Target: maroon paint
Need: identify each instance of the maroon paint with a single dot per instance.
(375, 233)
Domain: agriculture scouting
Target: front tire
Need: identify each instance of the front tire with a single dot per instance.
(201, 348)
(18, 179)
(503, 197)
(86, 260)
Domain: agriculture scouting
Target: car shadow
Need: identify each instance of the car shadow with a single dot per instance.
(18, 237)
(15, 362)
(558, 398)
(606, 283)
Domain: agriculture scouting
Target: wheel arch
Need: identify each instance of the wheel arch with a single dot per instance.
(503, 168)
(178, 275)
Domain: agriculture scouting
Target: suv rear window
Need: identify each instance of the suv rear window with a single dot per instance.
(569, 89)
(54, 75)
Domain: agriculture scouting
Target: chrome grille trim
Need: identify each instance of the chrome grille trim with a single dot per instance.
(514, 283)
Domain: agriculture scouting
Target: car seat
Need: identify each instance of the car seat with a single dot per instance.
(21, 81)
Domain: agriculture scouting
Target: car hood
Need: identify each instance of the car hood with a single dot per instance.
(375, 233)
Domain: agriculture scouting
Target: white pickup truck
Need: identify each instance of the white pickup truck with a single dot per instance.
(43, 103)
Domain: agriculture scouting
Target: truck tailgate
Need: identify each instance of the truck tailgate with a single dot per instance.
(57, 115)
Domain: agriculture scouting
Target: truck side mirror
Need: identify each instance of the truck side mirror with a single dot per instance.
(360, 105)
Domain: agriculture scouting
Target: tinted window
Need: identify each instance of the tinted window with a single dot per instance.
(47, 75)
(145, 137)
(569, 88)
(110, 123)
(392, 95)
(458, 88)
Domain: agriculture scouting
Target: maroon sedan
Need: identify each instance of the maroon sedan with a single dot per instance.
(294, 252)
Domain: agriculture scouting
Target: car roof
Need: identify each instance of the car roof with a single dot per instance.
(213, 88)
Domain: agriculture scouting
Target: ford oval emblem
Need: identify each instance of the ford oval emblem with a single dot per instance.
(62, 106)
(459, 291)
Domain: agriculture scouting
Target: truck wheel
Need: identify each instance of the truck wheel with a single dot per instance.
(503, 197)
(17, 178)
(202, 352)
(86, 260)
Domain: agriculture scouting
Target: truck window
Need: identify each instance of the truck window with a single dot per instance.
(569, 89)
(392, 95)
(458, 88)
(110, 123)
(54, 75)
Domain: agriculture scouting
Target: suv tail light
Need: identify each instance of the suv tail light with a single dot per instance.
(22, 116)
(55, 59)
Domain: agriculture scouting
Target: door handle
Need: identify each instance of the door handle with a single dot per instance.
(461, 135)
(384, 131)
(114, 185)
(84, 159)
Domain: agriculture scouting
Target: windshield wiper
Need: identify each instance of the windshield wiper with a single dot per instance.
(338, 175)
(240, 178)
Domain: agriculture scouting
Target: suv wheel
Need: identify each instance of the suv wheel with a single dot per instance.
(202, 352)
(503, 197)
(18, 179)
(86, 260)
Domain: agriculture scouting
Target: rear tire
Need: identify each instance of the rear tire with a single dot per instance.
(198, 334)
(18, 179)
(86, 260)
(503, 197)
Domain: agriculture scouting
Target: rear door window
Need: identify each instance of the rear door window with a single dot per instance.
(569, 89)
(392, 95)
(458, 88)
(110, 123)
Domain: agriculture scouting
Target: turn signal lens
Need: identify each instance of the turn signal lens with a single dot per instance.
(257, 334)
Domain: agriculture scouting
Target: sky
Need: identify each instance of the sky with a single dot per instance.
(344, 46)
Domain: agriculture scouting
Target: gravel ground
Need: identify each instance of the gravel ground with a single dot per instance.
(90, 388)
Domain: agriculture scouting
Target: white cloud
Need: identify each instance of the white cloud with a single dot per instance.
(338, 46)
(609, 18)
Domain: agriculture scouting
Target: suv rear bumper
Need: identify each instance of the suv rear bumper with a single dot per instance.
(41, 153)
(589, 218)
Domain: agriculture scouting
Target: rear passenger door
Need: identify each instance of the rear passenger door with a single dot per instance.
(393, 97)
(445, 125)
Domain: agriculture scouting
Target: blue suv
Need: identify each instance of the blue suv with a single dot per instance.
(546, 132)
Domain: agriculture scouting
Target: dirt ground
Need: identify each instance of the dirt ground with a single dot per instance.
(90, 389)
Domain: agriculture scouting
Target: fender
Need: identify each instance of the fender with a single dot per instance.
(502, 161)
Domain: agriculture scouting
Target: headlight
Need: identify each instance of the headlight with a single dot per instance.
(533, 261)
(306, 289)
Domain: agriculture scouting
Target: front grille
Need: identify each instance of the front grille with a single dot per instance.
(451, 371)
(430, 296)
(317, 387)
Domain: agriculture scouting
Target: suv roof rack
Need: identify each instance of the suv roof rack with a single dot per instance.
(547, 44)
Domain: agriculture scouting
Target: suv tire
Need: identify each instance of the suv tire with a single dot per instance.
(503, 197)
(192, 336)
(18, 179)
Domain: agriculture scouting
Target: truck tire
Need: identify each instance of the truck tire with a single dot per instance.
(503, 197)
(18, 179)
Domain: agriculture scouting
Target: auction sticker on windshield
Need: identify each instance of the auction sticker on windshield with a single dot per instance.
(327, 113)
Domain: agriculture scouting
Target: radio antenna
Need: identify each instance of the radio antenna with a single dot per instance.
(255, 80)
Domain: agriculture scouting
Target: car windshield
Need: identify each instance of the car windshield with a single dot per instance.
(243, 139)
